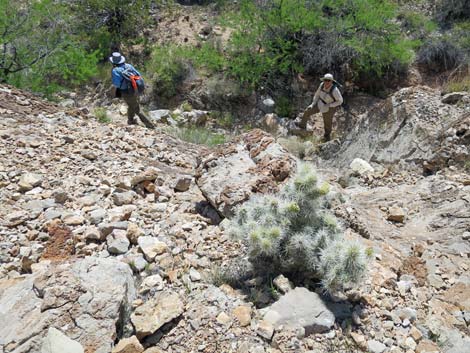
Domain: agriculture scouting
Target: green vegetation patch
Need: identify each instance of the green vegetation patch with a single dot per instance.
(199, 136)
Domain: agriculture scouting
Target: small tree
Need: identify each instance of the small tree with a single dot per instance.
(38, 47)
(294, 233)
(109, 23)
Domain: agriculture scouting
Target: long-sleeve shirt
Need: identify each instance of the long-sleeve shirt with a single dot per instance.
(327, 99)
(119, 81)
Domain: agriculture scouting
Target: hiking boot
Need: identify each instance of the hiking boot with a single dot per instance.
(295, 129)
(326, 138)
(148, 124)
(131, 122)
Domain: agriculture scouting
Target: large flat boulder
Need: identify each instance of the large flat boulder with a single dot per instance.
(88, 300)
(252, 163)
(300, 308)
(412, 125)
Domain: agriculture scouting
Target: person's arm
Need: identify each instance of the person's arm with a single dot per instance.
(338, 98)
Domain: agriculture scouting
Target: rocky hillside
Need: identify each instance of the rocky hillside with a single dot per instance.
(110, 238)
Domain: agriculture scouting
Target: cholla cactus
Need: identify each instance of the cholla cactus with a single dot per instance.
(293, 232)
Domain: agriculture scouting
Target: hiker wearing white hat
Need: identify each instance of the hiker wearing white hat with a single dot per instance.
(123, 88)
(326, 100)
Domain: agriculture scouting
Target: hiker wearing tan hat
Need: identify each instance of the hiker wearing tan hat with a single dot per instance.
(326, 100)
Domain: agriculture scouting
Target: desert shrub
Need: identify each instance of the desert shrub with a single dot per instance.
(300, 147)
(439, 55)
(459, 82)
(294, 233)
(324, 51)
(451, 11)
(102, 115)
(199, 136)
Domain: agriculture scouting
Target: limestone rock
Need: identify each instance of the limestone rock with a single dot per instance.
(360, 166)
(427, 346)
(151, 282)
(252, 163)
(157, 311)
(282, 284)
(268, 105)
(182, 183)
(57, 342)
(375, 346)
(243, 315)
(300, 308)
(454, 97)
(194, 275)
(89, 297)
(148, 175)
(117, 242)
(29, 181)
(96, 216)
(128, 345)
(151, 247)
(134, 232)
(123, 198)
(406, 128)
(265, 329)
(60, 196)
(92, 234)
(162, 116)
(14, 219)
(396, 214)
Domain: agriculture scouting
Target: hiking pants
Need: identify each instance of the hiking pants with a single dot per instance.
(133, 109)
(327, 119)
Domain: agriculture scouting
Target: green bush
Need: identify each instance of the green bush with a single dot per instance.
(294, 233)
(284, 37)
(416, 23)
(42, 52)
(284, 107)
(170, 64)
(106, 24)
(168, 70)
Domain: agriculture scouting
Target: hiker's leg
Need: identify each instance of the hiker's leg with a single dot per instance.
(132, 107)
(148, 124)
(140, 114)
(306, 116)
(328, 122)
